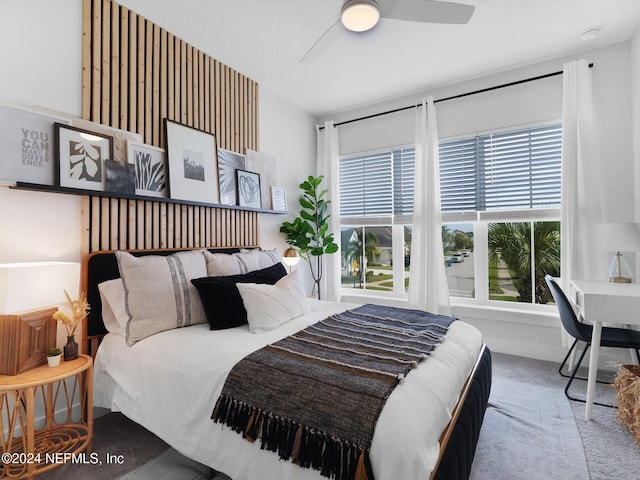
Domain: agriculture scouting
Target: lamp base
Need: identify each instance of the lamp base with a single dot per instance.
(620, 279)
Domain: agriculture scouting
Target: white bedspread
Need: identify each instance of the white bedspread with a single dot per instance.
(169, 383)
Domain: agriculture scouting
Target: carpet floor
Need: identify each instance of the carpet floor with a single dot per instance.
(530, 432)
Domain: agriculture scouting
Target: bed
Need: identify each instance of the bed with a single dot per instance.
(169, 382)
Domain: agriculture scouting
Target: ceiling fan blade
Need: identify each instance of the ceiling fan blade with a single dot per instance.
(429, 11)
(323, 44)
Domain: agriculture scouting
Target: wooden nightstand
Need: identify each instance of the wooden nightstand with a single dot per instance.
(63, 395)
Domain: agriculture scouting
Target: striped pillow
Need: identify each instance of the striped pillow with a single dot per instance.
(158, 292)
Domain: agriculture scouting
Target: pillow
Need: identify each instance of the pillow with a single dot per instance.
(158, 292)
(257, 259)
(114, 313)
(245, 261)
(222, 302)
(222, 264)
(269, 306)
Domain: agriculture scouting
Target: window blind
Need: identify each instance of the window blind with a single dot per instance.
(514, 170)
(510, 170)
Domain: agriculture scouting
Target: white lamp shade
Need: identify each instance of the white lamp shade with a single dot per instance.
(620, 237)
(32, 285)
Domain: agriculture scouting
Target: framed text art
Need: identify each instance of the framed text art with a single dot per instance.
(248, 186)
(81, 157)
(150, 169)
(278, 199)
(192, 159)
(27, 146)
(228, 163)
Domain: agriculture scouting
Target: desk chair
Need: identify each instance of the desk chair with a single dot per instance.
(611, 337)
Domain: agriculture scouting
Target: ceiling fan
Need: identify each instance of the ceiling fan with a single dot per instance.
(363, 15)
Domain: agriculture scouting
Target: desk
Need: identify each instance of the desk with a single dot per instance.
(603, 302)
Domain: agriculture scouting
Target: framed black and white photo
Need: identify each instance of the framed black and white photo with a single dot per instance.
(120, 177)
(248, 187)
(27, 146)
(228, 163)
(278, 199)
(81, 157)
(150, 169)
(192, 160)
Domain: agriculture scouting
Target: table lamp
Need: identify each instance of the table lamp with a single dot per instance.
(290, 257)
(620, 237)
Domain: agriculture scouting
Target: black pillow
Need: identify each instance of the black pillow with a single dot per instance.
(221, 299)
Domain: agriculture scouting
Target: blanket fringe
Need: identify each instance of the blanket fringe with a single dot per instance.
(304, 446)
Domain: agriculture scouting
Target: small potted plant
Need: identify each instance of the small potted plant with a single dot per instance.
(53, 356)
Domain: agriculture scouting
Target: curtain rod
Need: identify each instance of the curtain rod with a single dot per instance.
(460, 95)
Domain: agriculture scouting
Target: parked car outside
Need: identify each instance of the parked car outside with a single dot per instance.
(457, 258)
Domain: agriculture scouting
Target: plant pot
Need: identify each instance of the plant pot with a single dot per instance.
(54, 361)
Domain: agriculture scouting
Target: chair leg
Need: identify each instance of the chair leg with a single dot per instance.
(573, 376)
(566, 357)
(576, 366)
(638, 356)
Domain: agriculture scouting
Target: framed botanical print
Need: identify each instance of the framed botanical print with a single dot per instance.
(151, 173)
(192, 159)
(81, 157)
(248, 186)
(228, 163)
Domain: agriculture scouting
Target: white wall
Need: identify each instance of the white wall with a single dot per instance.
(41, 62)
(534, 334)
(288, 134)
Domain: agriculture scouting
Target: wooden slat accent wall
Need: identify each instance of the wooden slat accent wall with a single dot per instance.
(135, 74)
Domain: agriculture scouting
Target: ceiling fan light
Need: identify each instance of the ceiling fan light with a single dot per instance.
(360, 15)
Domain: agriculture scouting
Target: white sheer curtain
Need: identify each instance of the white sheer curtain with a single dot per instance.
(581, 196)
(329, 167)
(428, 288)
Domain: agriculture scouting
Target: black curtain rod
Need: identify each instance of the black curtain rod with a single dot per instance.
(460, 95)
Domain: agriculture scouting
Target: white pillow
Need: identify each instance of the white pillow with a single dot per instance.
(257, 259)
(269, 306)
(159, 294)
(245, 261)
(114, 313)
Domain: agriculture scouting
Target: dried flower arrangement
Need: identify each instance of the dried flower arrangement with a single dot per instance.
(79, 310)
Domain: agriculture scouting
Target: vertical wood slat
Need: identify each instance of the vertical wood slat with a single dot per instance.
(124, 68)
(135, 74)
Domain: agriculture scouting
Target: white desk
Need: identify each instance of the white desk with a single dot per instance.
(603, 302)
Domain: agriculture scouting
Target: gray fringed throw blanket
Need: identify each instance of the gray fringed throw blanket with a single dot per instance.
(315, 396)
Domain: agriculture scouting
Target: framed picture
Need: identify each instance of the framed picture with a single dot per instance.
(27, 146)
(266, 166)
(192, 159)
(150, 166)
(120, 177)
(228, 163)
(248, 187)
(81, 157)
(278, 199)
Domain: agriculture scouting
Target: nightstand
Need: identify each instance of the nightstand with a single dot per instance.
(46, 417)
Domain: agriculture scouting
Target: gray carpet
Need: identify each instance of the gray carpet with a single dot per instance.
(530, 432)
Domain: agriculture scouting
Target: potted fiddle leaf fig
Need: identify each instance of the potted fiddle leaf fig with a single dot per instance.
(309, 232)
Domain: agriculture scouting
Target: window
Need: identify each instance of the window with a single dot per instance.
(495, 187)
(376, 203)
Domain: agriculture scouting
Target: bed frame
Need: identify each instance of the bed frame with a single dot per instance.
(459, 439)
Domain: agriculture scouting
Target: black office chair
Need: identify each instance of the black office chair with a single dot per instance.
(611, 337)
